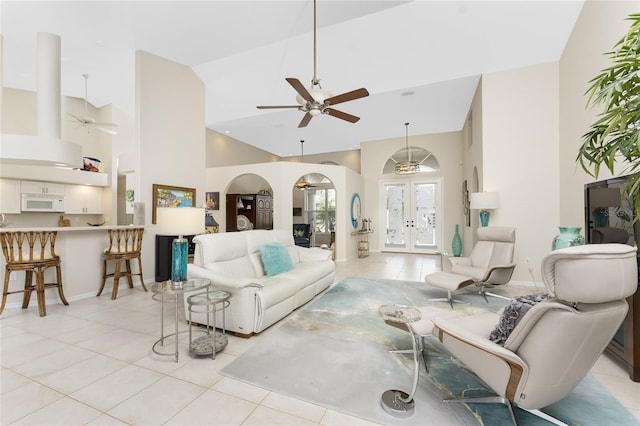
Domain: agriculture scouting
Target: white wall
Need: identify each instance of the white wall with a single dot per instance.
(170, 133)
(282, 176)
(446, 147)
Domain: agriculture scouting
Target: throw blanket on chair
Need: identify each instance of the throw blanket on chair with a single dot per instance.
(512, 314)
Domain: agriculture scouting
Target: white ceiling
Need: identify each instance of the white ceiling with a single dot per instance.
(420, 60)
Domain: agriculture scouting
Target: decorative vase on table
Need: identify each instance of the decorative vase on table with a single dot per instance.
(456, 244)
(569, 236)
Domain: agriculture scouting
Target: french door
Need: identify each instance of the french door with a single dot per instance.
(412, 215)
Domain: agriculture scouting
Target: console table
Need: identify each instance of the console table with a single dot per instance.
(363, 242)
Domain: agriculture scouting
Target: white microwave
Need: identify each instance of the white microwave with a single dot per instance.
(42, 203)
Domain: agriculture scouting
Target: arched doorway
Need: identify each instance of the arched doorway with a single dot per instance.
(249, 204)
(314, 203)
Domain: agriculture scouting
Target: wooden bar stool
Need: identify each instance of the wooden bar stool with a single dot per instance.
(32, 252)
(124, 244)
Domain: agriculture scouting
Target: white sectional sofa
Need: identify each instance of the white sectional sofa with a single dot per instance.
(233, 262)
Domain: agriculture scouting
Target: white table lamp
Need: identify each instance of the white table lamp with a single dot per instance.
(484, 201)
(180, 221)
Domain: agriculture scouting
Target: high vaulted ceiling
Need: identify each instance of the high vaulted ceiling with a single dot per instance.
(420, 60)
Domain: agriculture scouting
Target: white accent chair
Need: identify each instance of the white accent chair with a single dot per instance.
(555, 343)
(490, 263)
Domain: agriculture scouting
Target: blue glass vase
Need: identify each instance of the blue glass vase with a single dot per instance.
(569, 236)
(179, 258)
(456, 244)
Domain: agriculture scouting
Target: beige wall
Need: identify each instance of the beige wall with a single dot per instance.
(223, 150)
(446, 148)
(472, 165)
(350, 159)
(520, 156)
(532, 122)
(170, 133)
(600, 26)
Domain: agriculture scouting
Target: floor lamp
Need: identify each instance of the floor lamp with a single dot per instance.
(179, 221)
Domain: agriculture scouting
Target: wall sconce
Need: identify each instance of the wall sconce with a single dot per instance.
(484, 201)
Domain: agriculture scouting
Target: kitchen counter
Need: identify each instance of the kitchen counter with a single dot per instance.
(67, 228)
(80, 248)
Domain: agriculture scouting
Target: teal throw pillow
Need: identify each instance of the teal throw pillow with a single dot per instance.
(275, 259)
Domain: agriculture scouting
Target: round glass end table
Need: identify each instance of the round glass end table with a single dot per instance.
(209, 302)
(396, 402)
(177, 290)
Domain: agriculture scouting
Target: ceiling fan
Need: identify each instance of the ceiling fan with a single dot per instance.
(88, 122)
(317, 100)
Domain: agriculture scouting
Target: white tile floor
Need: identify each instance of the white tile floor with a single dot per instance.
(91, 363)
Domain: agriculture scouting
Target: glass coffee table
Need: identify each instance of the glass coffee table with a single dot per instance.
(396, 402)
(177, 290)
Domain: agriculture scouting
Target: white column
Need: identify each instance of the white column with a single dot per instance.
(49, 87)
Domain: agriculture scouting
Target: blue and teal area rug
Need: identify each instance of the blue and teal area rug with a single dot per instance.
(334, 352)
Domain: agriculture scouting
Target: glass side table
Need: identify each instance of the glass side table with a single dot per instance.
(209, 302)
(396, 402)
(177, 290)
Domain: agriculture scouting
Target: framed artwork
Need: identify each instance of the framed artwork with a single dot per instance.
(172, 196)
(465, 203)
(212, 200)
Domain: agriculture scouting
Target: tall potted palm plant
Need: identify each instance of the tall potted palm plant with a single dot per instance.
(615, 136)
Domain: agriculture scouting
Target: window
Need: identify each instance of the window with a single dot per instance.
(321, 208)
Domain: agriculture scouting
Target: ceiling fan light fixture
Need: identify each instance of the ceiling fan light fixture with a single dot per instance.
(408, 167)
(301, 184)
(317, 93)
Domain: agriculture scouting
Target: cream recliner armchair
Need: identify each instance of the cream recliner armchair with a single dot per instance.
(490, 263)
(558, 340)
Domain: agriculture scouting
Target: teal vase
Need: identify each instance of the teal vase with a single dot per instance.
(569, 236)
(456, 244)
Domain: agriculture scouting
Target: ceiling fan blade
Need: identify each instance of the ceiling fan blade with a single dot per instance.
(349, 96)
(341, 115)
(295, 83)
(305, 120)
(277, 106)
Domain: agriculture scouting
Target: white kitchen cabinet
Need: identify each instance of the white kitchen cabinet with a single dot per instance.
(83, 199)
(50, 188)
(9, 196)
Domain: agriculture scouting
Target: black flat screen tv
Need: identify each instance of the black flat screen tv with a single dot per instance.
(608, 217)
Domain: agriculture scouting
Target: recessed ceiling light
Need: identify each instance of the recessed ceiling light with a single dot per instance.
(227, 131)
(409, 93)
